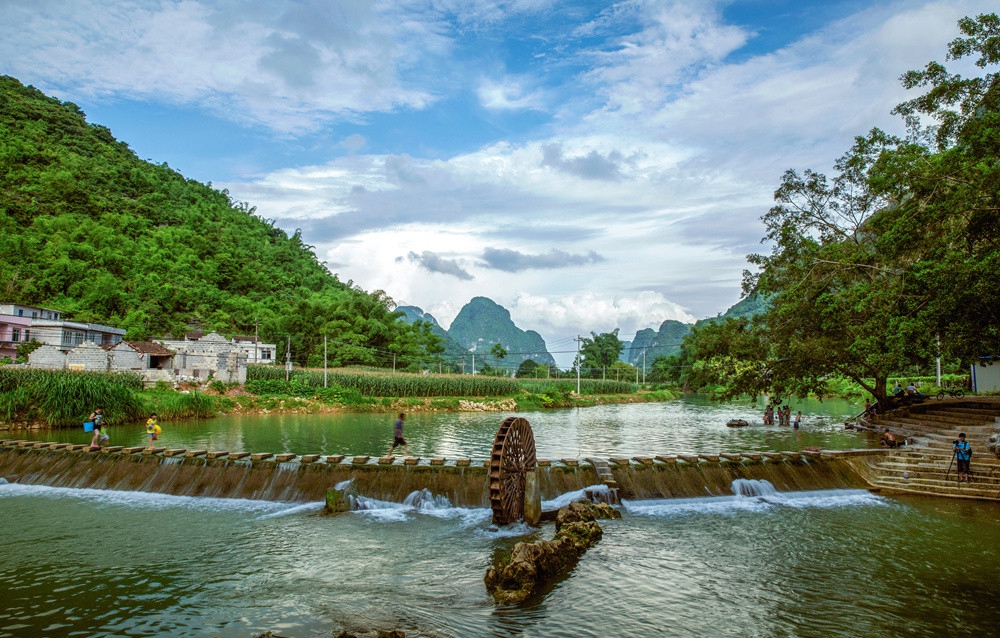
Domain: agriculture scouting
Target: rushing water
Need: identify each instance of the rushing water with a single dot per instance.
(831, 563)
(690, 425)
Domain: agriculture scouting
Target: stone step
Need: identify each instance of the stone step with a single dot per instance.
(952, 490)
(942, 476)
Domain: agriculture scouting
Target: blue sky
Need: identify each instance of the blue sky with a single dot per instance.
(587, 165)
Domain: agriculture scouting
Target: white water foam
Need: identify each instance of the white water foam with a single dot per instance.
(145, 500)
(505, 531)
(761, 501)
(419, 502)
(296, 509)
(569, 497)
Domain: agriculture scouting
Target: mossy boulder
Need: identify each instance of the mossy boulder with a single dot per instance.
(531, 565)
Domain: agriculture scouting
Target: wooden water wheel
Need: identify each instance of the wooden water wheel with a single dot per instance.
(513, 456)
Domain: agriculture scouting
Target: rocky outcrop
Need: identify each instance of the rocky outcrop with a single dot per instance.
(531, 565)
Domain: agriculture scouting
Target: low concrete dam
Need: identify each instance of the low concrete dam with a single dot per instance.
(291, 478)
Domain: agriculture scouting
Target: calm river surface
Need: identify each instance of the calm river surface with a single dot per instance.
(689, 425)
(825, 563)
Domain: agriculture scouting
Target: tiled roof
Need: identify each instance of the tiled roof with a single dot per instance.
(150, 348)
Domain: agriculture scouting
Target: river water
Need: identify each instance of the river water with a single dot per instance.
(689, 425)
(824, 563)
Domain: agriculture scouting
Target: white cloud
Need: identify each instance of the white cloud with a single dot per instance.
(276, 63)
(600, 312)
(507, 94)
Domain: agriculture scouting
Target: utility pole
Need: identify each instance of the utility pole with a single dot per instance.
(643, 366)
(578, 363)
(324, 361)
(393, 361)
(473, 364)
(288, 359)
(256, 339)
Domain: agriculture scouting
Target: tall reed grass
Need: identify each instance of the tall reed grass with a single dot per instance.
(172, 405)
(65, 398)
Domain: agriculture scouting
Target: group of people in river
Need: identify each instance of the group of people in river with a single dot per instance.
(102, 436)
(783, 414)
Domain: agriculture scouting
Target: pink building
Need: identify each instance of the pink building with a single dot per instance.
(14, 330)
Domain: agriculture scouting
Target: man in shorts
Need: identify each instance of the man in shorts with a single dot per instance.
(963, 454)
(397, 438)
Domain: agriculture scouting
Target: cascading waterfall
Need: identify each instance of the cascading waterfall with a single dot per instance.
(753, 488)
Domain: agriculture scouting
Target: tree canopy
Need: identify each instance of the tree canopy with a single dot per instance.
(88, 228)
(889, 262)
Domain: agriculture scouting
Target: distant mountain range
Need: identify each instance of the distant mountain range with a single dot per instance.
(667, 340)
(482, 323)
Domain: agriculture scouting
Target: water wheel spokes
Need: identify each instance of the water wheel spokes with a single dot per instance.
(512, 457)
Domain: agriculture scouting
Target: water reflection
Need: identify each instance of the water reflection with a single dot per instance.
(685, 426)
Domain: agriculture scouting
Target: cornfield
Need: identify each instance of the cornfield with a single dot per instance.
(381, 384)
(377, 383)
(65, 398)
(587, 386)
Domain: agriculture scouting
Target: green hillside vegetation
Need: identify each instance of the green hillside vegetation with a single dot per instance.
(88, 228)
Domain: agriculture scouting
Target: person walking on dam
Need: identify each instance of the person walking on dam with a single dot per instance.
(97, 417)
(963, 454)
(152, 429)
(397, 435)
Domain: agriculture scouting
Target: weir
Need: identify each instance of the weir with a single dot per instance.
(462, 481)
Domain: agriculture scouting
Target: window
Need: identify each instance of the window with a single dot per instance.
(78, 337)
(27, 335)
(265, 354)
(34, 315)
(20, 312)
(15, 334)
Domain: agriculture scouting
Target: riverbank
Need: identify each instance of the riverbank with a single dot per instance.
(216, 399)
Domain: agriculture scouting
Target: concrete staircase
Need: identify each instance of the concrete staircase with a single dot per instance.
(921, 467)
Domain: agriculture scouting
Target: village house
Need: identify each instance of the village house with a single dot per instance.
(48, 327)
(254, 350)
(14, 331)
(199, 356)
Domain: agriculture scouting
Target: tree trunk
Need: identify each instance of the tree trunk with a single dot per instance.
(881, 392)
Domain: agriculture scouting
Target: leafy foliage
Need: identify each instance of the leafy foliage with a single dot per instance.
(870, 268)
(89, 228)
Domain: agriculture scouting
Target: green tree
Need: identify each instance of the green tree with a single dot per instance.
(869, 267)
(599, 351)
(527, 369)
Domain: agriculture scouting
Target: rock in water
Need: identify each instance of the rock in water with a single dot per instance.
(532, 564)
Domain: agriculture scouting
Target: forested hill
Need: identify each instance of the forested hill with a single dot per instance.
(88, 228)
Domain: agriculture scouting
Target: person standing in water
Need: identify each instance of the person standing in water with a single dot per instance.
(397, 438)
(97, 416)
(797, 421)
